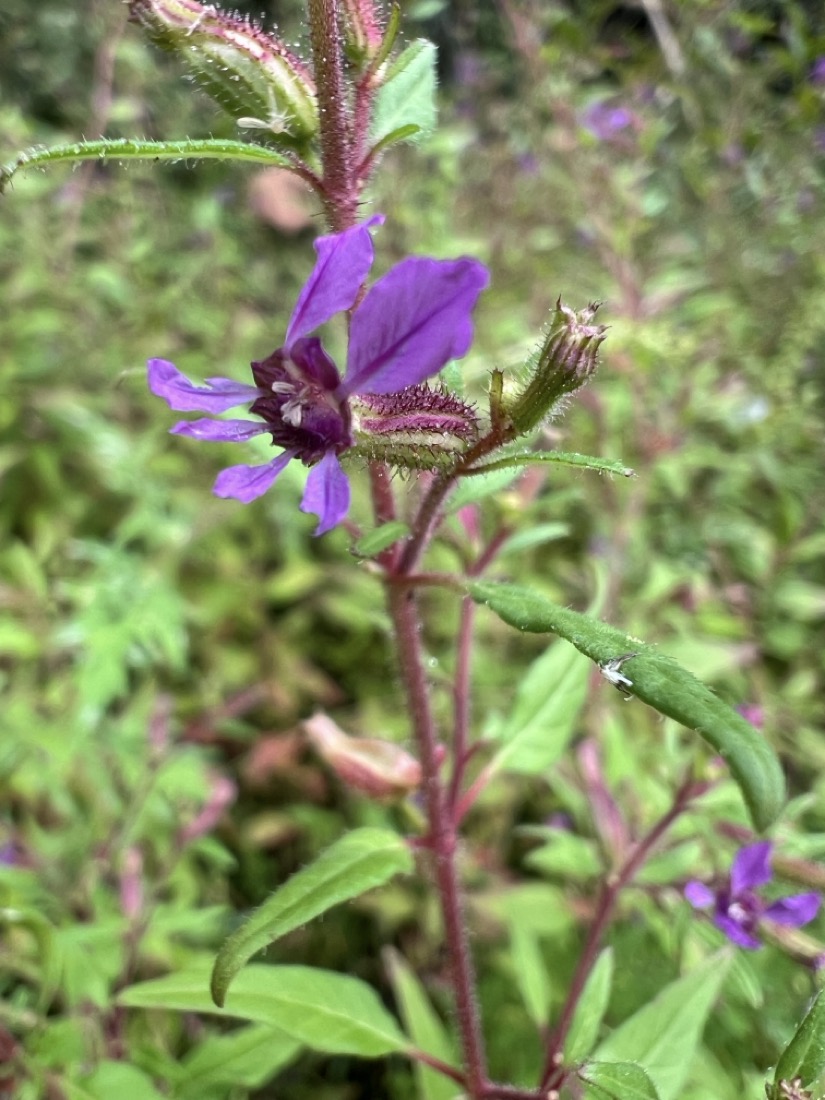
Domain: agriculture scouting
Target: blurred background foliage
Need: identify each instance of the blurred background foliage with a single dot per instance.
(158, 647)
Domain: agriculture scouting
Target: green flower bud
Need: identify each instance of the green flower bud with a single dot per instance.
(564, 362)
(362, 29)
(418, 428)
(249, 73)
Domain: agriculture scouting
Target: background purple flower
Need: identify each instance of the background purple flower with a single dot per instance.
(411, 323)
(737, 906)
(752, 713)
(605, 120)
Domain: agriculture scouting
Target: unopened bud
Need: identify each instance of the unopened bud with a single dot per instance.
(794, 942)
(418, 428)
(249, 73)
(362, 29)
(380, 769)
(565, 361)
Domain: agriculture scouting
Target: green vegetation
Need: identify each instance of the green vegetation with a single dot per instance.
(160, 647)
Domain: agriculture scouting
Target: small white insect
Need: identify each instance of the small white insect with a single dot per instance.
(612, 672)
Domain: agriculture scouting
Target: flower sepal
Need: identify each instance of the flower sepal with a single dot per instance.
(566, 360)
(419, 428)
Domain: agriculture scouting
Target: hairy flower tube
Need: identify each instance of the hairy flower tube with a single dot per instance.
(567, 358)
(737, 906)
(250, 73)
(410, 324)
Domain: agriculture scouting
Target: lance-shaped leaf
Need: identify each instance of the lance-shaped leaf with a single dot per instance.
(663, 1036)
(543, 717)
(128, 149)
(323, 1010)
(425, 1028)
(659, 682)
(246, 1058)
(358, 862)
(587, 1019)
(803, 1058)
(548, 458)
(380, 538)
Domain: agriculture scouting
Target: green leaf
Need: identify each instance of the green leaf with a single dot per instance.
(531, 974)
(394, 137)
(325, 1011)
(358, 862)
(804, 1056)
(247, 1058)
(537, 535)
(663, 1035)
(128, 149)
(537, 907)
(658, 681)
(561, 458)
(587, 1019)
(373, 542)
(543, 718)
(618, 1081)
(564, 855)
(424, 1028)
(407, 96)
(473, 489)
(110, 1079)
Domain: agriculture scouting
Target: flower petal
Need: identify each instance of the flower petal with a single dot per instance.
(219, 394)
(794, 911)
(344, 261)
(246, 483)
(327, 493)
(219, 431)
(699, 895)
(412, 322)
(751, 867)
(735, 932)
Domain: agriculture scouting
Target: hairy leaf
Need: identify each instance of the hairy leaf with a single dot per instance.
(330, 1012)
(356, 863)
(658, 681)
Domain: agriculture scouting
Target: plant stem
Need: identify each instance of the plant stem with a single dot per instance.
(554, 1071)
(461, 700)
(442, 837)
(425, 522)
(333, 111)
(513, 1092)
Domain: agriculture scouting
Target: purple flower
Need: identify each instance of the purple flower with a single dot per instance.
(752, 713)
(738, 908)
(605, 121)
(410, 323)
(818, 71)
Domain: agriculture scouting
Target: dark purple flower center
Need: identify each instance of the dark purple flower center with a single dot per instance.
(299, 402)
(745, 908)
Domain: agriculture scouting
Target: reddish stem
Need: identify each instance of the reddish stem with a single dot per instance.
(442, 836)
(462, 684)
(554, 1071)
(461, 701)
(335, 134)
